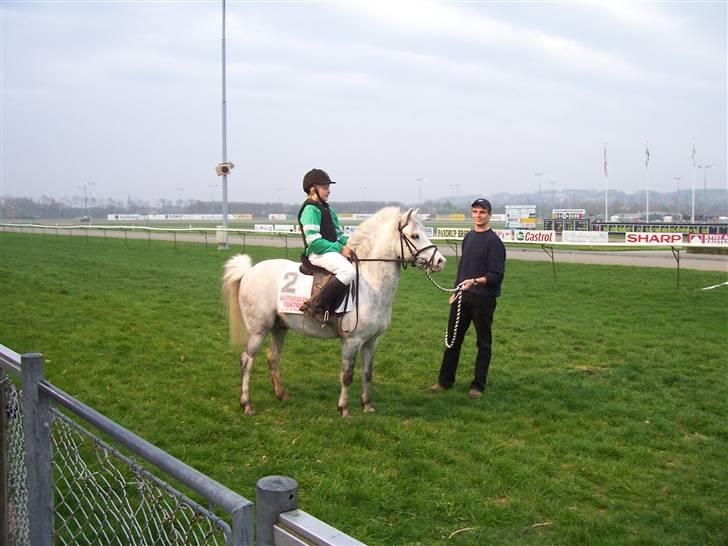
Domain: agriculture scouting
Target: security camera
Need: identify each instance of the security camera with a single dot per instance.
(224, 168)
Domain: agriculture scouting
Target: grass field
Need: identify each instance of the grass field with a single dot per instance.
(606, 420)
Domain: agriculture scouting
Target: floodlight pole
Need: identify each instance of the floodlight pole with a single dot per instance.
(705, 185)
(224, 243)
(540, 205)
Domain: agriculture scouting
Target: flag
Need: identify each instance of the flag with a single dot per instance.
(647, 155)
(605, 159)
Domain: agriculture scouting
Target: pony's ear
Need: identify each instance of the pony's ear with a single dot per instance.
(406, 217)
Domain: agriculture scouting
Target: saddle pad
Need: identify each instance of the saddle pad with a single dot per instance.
(294, 288)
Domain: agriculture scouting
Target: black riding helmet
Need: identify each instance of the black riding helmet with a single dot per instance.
(315, 177)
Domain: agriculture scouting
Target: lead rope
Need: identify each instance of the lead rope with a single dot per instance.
(459, 296)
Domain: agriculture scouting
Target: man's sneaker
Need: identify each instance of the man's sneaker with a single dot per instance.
(436, 388)
(474, 393)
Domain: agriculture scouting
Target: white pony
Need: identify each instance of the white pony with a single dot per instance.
(382, 243)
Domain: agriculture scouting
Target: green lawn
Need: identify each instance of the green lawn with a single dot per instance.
(606, 421)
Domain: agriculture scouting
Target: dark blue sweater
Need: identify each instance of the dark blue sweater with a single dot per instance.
(483, 255)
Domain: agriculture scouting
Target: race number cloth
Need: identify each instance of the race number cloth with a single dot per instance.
(294, 288)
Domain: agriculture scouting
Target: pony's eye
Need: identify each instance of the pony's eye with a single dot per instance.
(415, 236)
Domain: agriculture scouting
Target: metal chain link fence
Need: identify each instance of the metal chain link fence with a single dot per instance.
(17, 509)
(104, 497)
(101, 496)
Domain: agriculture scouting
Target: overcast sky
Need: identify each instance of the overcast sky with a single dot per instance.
(469, 97)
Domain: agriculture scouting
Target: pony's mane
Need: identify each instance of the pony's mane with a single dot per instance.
(365, 235)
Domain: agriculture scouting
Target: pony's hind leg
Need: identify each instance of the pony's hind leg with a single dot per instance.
(348, 354)
(247, 359)
(367, 370)
(277, 337)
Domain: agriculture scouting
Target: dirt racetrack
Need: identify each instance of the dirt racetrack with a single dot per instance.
(635, 258)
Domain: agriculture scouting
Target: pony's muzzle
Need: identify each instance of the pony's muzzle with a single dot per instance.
(436, 262)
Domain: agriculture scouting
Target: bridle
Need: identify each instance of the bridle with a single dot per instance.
(404, 241)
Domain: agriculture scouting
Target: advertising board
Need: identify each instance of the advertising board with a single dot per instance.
(666, 239)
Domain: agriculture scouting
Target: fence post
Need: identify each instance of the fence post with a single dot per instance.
(273, 495)
(4, 467)
(37, 424)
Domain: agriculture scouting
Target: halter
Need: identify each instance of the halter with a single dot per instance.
(405, 241)
(414, 253)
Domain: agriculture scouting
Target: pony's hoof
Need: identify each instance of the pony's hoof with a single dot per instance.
(368, 408)
(344, 412)
(249, 410)
(283, 396)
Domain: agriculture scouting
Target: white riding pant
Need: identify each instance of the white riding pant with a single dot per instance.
(334, 262)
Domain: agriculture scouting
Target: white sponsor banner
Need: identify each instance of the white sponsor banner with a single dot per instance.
(504, 234)
(535, 236)
(451, 232)
(498, 218)
(125, 217)
(277, 217)
(161, 217)
(569, 214)
(708, 239)
(658, 238)
(288, 228)
(585, 237)
(263, 227)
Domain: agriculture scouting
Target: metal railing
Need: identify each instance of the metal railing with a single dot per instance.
(66, 485)
(61, 483)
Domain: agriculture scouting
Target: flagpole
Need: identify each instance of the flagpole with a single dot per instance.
(692, 210)
(647, 182)
(606, 186)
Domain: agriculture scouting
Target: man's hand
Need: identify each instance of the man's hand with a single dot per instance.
(347, 253)
(467, 284)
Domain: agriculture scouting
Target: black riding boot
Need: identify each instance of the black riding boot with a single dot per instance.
(326, 299)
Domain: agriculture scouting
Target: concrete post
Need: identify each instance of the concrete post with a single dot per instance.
(273, 495)
(37, 424)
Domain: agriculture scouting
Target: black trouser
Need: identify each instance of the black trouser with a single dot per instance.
(478, 310)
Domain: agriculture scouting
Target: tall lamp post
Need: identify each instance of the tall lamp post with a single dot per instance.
(705, 185)
(85, 186)
(419, 182)
(224, 242)
(179, 198)
(677, 196)
(540, 204)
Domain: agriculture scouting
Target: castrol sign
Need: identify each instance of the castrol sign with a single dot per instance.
(666, 239)
(535, 236)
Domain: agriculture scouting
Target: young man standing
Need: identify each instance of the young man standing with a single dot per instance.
(480, 274)
(324, 241)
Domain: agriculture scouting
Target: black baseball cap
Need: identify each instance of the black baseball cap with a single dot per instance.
(482, 203)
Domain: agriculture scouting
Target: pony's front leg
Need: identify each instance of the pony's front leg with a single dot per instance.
(349, 349)
(278, 336)
(367, 370)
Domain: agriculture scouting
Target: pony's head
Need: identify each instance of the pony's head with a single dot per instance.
(394, 235)
(416, 246)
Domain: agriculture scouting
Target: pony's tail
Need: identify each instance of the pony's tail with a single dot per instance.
(233, 272)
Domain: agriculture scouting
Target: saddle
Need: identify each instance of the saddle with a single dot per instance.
(320, 277)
